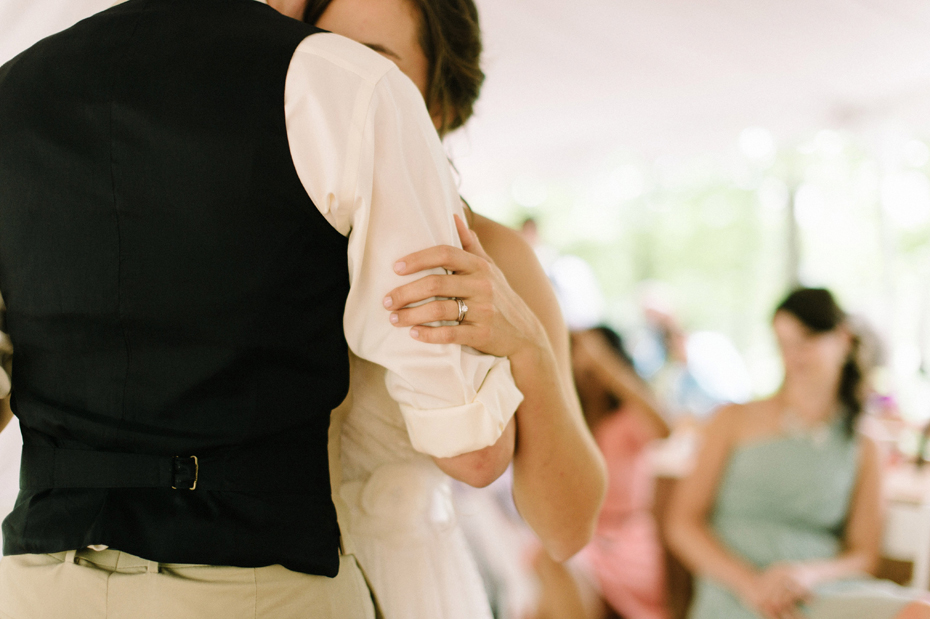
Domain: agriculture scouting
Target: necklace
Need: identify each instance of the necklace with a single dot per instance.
(795, 426)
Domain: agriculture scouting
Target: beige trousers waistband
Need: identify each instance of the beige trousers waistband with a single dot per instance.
(116, 561)
(109, 584)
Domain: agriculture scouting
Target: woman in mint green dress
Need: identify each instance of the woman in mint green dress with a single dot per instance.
(781, 517)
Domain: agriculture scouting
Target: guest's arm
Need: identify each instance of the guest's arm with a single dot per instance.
(772, 592)
(559, 475)
(688, 534)
(782, 585)
(621, 380)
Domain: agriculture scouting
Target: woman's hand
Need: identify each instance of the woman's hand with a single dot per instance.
(776, 592)
(497, 322)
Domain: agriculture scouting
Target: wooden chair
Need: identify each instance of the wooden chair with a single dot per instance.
(907, 538)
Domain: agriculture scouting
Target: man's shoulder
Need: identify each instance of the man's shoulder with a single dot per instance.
(344, 53)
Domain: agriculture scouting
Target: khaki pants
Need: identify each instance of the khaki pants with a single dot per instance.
(109, 584)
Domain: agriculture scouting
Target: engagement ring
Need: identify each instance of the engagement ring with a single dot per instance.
(462, 310)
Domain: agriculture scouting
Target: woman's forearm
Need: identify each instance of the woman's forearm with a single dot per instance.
(559, 474)
(850, 563)
(700, 551)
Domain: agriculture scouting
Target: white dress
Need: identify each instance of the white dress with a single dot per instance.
(398, 515)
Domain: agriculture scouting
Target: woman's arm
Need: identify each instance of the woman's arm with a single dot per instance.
(620, 379)
(559, 475)
(480, 468)
(688, 534)
(783, 584)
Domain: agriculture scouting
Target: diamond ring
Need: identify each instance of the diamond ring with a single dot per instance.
(463, 309)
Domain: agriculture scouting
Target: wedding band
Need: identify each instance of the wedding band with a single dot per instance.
(462, 310)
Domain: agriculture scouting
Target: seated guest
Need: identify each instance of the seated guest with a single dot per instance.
(780, 519)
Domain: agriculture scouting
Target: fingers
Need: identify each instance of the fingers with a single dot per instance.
(434, 311)
(442, 310)
(779, 611)
(465, 334)
(782, 604)
(466, 235)
(452, 286)
(469, 238)
(441, 257)
(792, 613)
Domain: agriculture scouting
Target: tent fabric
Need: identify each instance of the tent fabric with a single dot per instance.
(571, 83)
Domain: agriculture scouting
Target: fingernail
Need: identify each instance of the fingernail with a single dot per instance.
(399, 266)
(388, 301)
(414, 333)
(394, 318)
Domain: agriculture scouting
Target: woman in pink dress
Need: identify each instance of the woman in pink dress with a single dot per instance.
(624, 560)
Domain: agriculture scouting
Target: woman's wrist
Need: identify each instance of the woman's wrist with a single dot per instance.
(533, 347)
(535, 369)
(533, 358)
(746, 585)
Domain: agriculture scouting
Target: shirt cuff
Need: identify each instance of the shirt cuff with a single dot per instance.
(453, 431)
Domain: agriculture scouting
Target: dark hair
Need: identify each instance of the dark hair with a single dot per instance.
(615, 341)
(818, 311)
(450, 37)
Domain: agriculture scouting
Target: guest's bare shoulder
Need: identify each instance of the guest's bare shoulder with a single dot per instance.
(747, 422)
(726, 424)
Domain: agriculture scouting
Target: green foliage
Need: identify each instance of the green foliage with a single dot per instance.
(718, 234)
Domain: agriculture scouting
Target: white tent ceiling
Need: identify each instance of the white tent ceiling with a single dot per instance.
(571, 83)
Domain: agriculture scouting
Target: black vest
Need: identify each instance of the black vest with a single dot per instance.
(174, 297)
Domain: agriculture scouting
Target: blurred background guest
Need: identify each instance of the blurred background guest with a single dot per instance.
(780, 517)
(692, 373)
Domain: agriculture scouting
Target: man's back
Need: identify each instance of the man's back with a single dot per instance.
(171, 291)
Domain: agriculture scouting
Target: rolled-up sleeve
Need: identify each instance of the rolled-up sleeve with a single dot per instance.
(393, 195)
(453, 430)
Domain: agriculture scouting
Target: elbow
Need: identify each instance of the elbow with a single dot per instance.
(569, 540)
(564, 537)
(478, 469)
(564, 547)
(480, 474)
(482, 467)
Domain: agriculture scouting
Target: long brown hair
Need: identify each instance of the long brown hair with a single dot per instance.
(818, 311)
(450, 37)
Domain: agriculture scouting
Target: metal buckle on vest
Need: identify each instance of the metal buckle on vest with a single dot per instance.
(184, 473)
